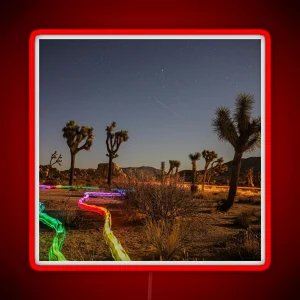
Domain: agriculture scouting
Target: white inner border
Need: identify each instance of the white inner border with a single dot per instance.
(151, 263)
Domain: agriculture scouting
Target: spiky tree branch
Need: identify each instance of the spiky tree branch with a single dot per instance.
(216, 168)
(57, 161)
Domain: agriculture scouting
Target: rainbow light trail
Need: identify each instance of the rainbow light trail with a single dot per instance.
(116, 249)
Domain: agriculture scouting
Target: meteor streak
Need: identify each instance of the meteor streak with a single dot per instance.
(168, 108)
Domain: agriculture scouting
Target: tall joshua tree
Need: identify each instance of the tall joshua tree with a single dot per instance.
(74, 134)
(170, 172)
(176, 165)
(113, 143)
(55, 159)
(209, 156)
(242, 132)
(194, 157)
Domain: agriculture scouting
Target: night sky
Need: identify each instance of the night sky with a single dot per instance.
(164, 92)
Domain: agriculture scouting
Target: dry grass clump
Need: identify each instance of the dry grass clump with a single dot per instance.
(244, 246)
(168, 238)
(205, 195)
(246, 218)
(83, 245)
(249, 197)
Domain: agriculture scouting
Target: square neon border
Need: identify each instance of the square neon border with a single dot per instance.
(137, 32)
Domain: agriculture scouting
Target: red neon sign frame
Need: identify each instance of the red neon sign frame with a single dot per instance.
(112, 267)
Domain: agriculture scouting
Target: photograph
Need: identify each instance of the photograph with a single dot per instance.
(150, 150)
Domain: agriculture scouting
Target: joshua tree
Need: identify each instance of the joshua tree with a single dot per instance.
(52, 163)
(162, 172)
(74, 136)
(249, 177)
(176, 165)
(242, 132)
(216, 168)
(210, 173)
(113, 142)
(209, 156)
(259, 178)
(170, 172)
(194, 157)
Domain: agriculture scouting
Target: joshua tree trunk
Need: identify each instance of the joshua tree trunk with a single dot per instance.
(203, 180)
(170, 177)
(236, 167)
(194, 173)
(208, 179)
(72, 168)
(193, 188)
(162, 172)
(49, 171)
(109, 170)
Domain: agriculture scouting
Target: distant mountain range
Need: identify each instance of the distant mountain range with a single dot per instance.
(154, 171)
(247, 163)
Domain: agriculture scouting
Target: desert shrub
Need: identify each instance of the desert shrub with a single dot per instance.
(168, 238)
(89, 181)
(244, 246)
(145, 176)
(252, 199)
(205, 195)
(167, 212)
(220, 196)
(244, 219)
(70, 217)
(52, 182)
(159, 202)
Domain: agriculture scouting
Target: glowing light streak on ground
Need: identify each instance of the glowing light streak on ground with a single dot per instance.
(117, 251)
(60, 234)
(43, 186)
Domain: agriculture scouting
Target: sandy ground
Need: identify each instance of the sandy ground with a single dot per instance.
(84, 240)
